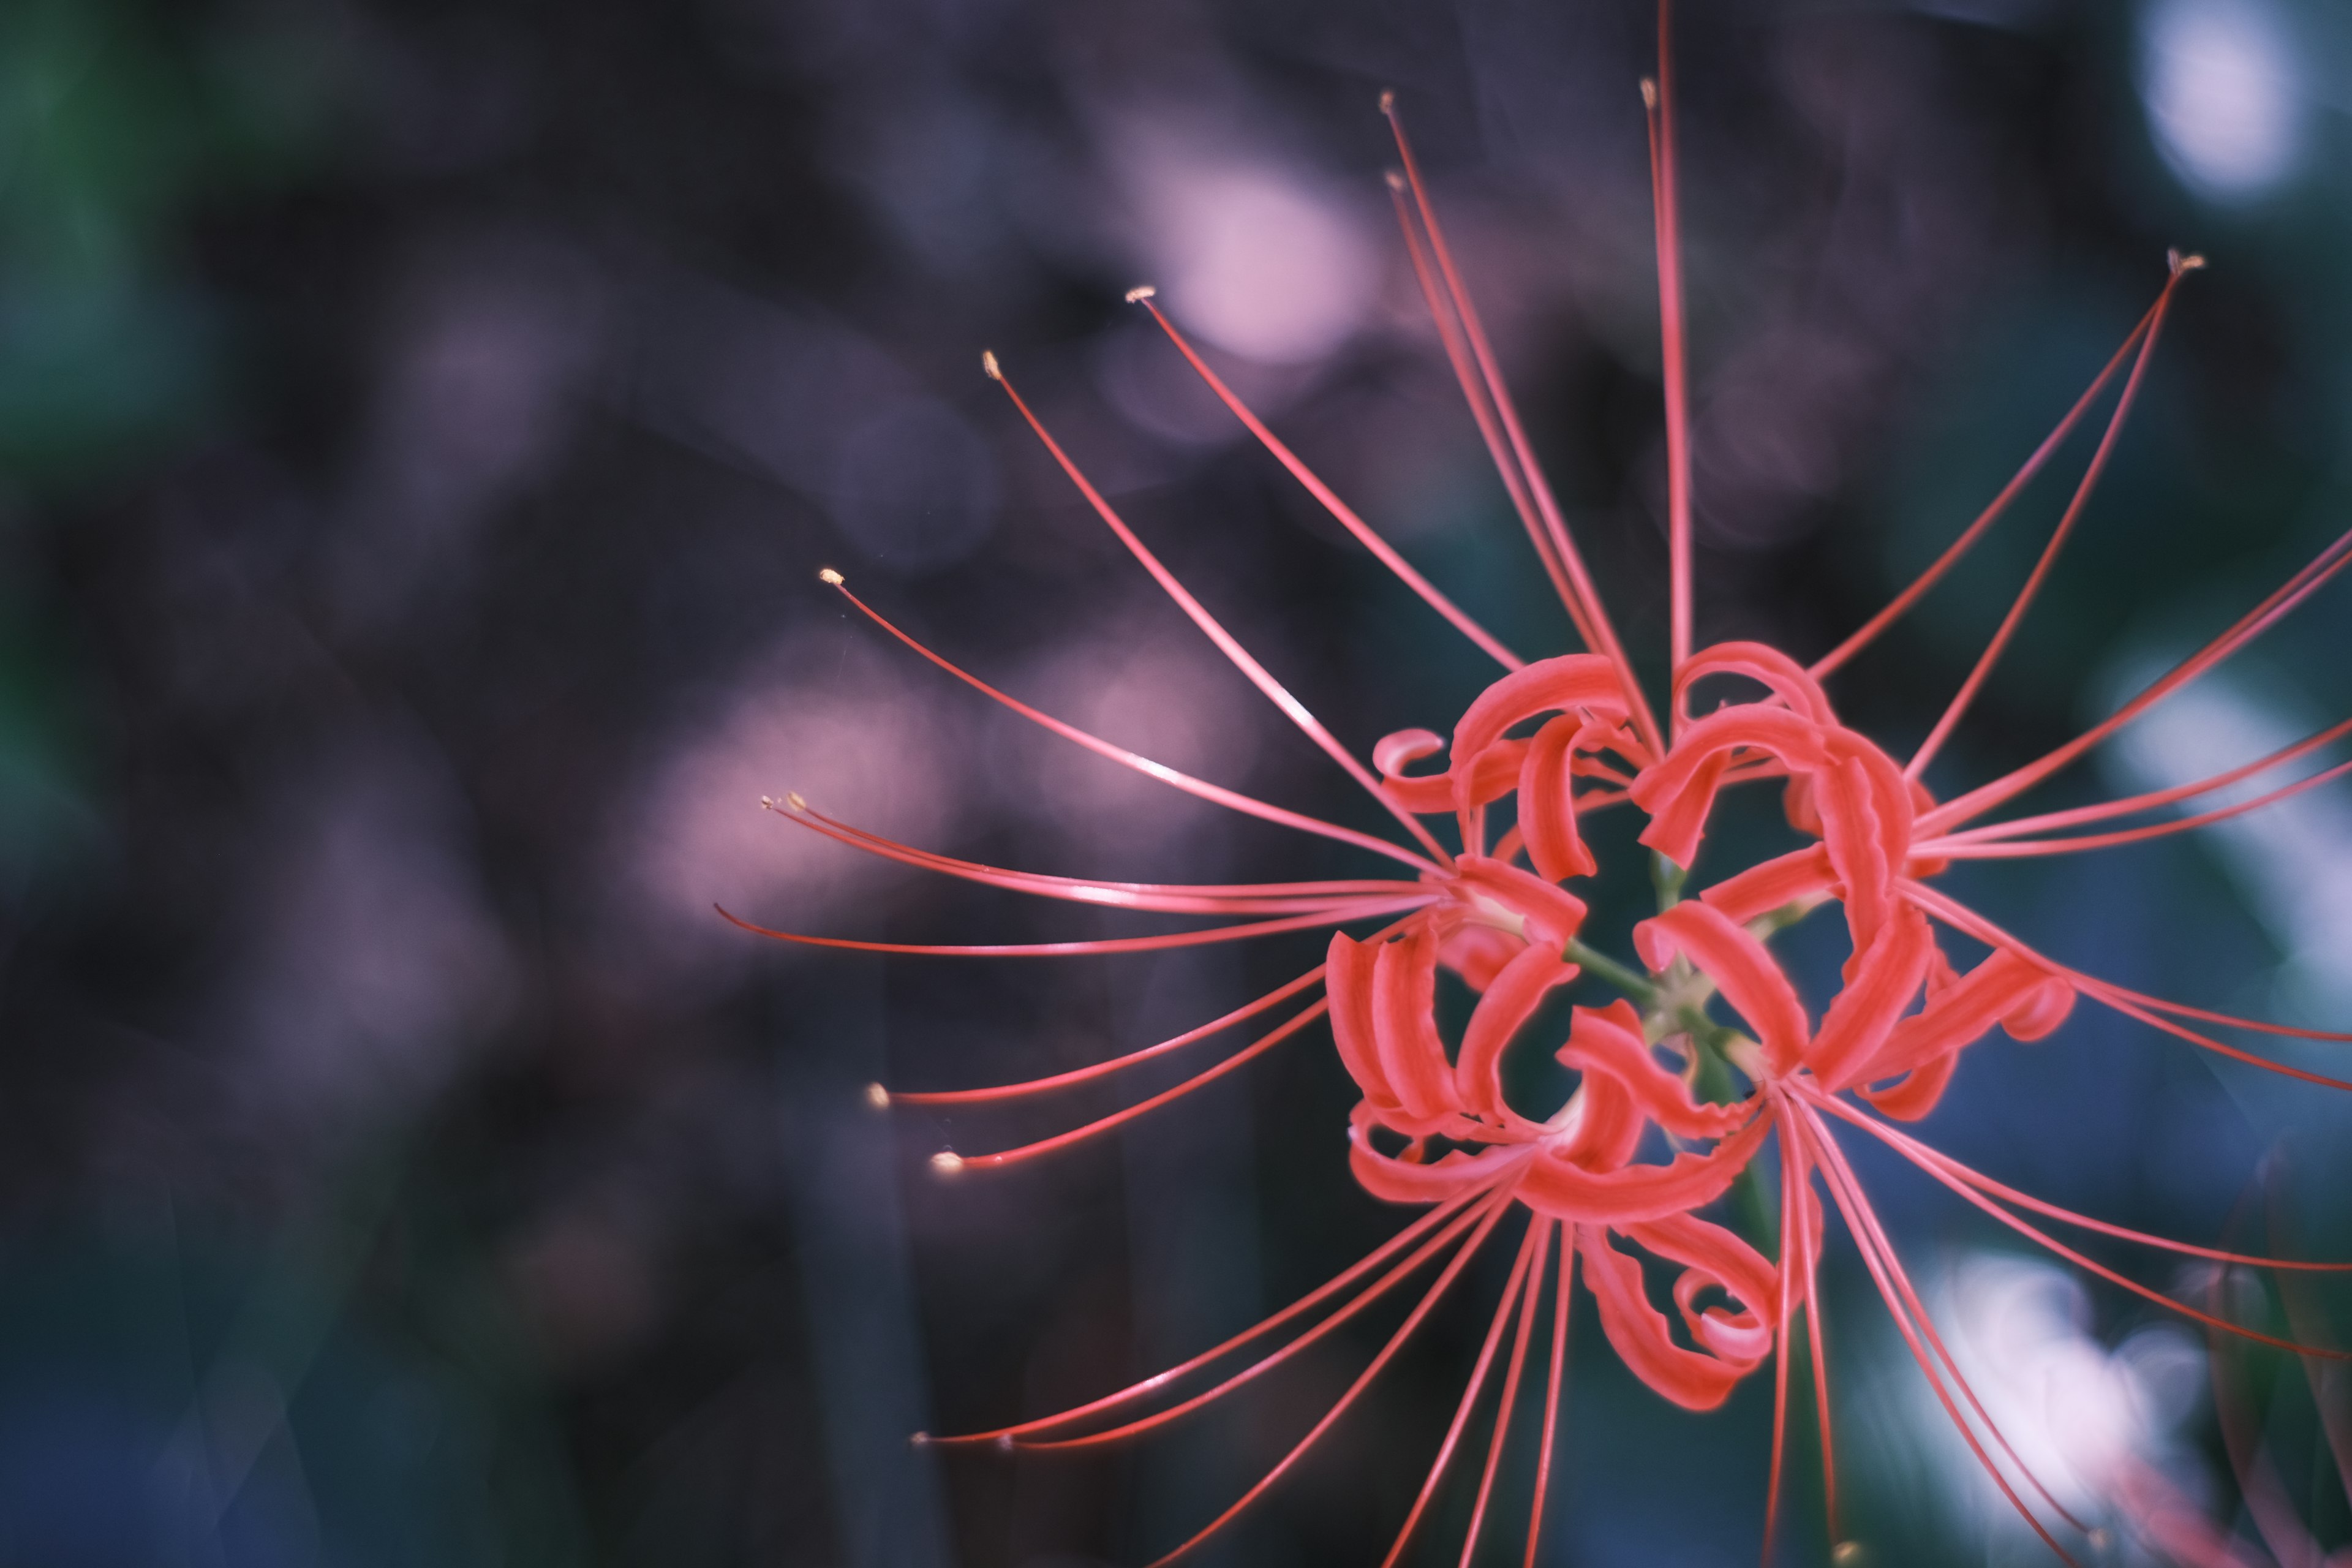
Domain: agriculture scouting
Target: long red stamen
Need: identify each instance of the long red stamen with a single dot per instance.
(2025, 848)
(1340, 510)
(1884, 1270)
(1364, 1380)
(1199, 788)
(1505, 1311)
(1822, 668)
(1257, 674)
(1919, 1311)
(1338, 914)
(2280, 602)
(2129, 1003)
(1815, 1332)
(1117, 1064)
(1561, 1297)
(2133, 804)
(1451, 1209)
(1247, 1054)
(2060, 1248)
(1921, 1153)
(1265, 1364)
(1603, 633)
(1657, 98)
(1960, 918)
(1164, 898)
(2075, 508)
(1544, 1229)
(1791, 1258)
(1482, 411)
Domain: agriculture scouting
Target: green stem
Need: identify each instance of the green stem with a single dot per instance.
(1626, 978)
(1713, 1083)
(1668, 878)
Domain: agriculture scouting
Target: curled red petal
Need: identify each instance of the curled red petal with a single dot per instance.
(2044, 1009)
(1555, 1186)
(1570, 682)
(1883, 982)
(1392, 753)
(1348, 983)
(1608, 1041)
(1404, 1025)
(1857, 851)
(1915, 1093)
(1406, 1181)
(1679, 791)
(1638, 1330)
(1713, 1256)
(1502, 1012)
(1960, 1014)
(1548, 802)
(1765, 665)
(1608, 1126)
(1782, 880)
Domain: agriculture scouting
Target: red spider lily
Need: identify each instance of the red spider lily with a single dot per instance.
(1556, 739)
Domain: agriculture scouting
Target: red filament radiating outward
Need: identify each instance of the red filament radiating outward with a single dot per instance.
(1557, 739)
(1331, 503)
(1275, 692)
(1658, 99)
(1582, 598)
(1969, 689)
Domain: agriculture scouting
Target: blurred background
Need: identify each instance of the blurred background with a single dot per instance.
(420, 428)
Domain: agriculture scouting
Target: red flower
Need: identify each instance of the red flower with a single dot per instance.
(1558, 738)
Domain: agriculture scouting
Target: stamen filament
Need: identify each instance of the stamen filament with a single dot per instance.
(1343, 513)
(1166, 897)
(2132, 805)
(2024, 849)
(1505, 1310)
(1657, 98)
(1543, 1230)
(1923, 1154)
(1791, 1258)
(1561, 1300)
(1602, 636)
(1199, 788)
(1440, 1214)
(1829, 663)
(1246, 1055)
(1420, 1256)
(1257, 674)
(1962, 919)
(1482, 413)
(1337, 914)
(2280, 602)
(2061, 1249)
(1885, 1271)
(1273, 998)
(2075, 508)
(1363, 1379)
